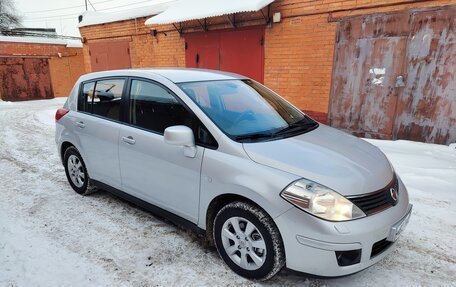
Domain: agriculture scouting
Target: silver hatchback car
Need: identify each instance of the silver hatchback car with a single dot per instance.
(227, 157)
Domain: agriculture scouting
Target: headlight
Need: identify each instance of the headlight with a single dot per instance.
(320, 201)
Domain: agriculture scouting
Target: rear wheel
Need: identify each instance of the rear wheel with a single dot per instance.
(248, 241)
(76, 172)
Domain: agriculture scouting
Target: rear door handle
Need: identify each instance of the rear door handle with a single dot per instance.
(81, 124)
(129, 140)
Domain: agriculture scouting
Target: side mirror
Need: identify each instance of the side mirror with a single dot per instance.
(181, 136)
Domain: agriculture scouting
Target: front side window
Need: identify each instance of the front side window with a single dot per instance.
(247, 111)
(154, 108)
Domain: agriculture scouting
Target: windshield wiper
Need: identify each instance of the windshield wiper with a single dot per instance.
(254, 136)
(296, 127)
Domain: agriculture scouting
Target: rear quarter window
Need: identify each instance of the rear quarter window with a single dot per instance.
(86, 96)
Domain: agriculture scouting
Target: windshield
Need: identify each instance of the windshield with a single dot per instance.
(247, 111)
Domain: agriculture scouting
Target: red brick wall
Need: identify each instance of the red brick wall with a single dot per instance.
(145, 51)
(298, 51)
(65, 70)
(161, 51)
(298, 61)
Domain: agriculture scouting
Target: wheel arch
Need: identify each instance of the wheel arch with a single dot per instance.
(218, 203)
(66, 140)
(63, 147)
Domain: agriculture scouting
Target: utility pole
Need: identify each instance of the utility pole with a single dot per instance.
(86, 4)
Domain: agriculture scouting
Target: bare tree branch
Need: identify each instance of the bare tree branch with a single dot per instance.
(9, 16)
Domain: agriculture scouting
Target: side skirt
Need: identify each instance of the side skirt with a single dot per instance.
(160, 212)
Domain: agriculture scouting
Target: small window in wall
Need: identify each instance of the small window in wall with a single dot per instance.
(106, 101)
(154, 108)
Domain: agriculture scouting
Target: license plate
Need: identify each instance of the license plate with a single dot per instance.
(397, 228)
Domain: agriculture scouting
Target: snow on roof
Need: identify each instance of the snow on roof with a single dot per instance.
(94, 18)
(42, 40)
(186, 10)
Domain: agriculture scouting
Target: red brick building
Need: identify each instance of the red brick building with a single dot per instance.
(355, 64)
(38, 67)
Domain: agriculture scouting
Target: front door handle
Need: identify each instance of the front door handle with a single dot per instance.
(81, 124)
(129, 140)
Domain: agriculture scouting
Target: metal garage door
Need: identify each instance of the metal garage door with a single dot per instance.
(238, 51)
(25, 79)
(394, 75)
(109, 55)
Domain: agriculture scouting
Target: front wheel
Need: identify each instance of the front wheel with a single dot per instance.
(248, 241)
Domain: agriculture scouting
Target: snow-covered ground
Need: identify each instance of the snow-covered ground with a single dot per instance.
(50, 236)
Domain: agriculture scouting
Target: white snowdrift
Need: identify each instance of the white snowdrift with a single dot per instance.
(95, 18)
(42, 40)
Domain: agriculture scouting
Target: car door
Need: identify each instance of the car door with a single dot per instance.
(97, 127)
(152, 170)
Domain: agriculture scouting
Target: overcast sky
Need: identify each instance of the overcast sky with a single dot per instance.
(63, 14)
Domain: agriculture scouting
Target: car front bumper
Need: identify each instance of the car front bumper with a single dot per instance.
(313, 245)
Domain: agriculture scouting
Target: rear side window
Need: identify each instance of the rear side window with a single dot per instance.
(106, 101)
(154, 108)
(102, 98)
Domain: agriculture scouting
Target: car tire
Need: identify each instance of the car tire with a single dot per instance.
(248, 241)
(76, 172)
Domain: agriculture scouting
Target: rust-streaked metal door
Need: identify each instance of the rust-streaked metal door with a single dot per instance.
(25, 79)
(394, 75)
(427, 106)
(109, 55)
(366, 87)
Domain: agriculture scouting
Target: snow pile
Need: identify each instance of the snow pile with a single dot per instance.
(452, 147)
(186, 10)
(50, 236)
(70, 43)
(94, 18)
(4, 103)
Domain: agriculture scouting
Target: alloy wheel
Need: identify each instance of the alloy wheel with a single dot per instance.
(76, 171)
(243, 243)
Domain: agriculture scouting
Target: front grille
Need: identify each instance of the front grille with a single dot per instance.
(380, 246)
(378, 200)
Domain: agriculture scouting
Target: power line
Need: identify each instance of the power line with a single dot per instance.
(57, 17)
(124, 5)
(91, 5)
(54, 16)
(65, 8)
(45, 19)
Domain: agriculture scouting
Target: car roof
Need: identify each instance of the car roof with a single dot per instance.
(176, 75)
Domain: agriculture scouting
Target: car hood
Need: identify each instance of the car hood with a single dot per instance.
(340, 161)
